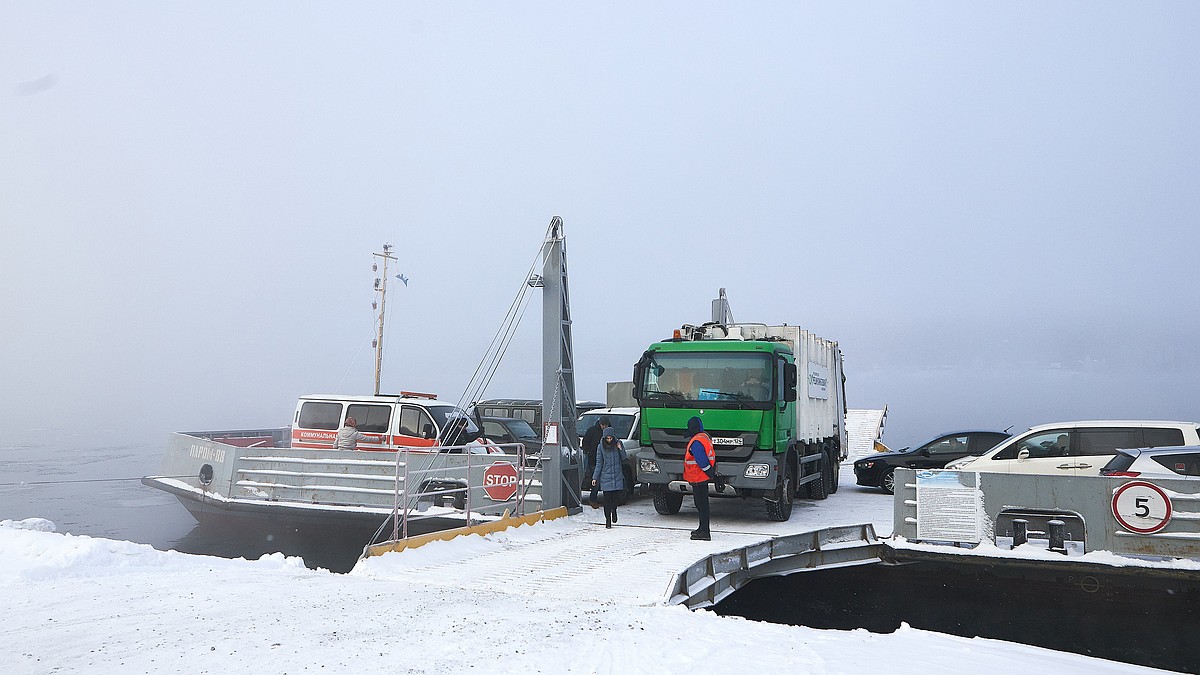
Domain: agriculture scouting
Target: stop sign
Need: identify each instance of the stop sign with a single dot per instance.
(500, 481)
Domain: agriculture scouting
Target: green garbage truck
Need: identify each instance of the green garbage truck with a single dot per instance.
(771, 397)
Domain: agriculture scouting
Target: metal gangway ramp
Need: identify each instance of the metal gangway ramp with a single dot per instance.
(574, 559)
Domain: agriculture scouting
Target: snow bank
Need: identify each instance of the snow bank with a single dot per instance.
(32, 550)
(101, 606)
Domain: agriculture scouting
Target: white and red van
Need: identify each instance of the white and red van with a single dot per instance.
(411, 420)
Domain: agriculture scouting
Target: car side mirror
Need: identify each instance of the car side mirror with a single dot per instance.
(427, 432)
(1023, 453)
(924, 452)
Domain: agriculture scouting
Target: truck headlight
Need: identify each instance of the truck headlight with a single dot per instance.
(757, 470)
(647, 466)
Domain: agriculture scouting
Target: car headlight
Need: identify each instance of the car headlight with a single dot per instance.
(647, 466)
(757, 470)
(867, 465)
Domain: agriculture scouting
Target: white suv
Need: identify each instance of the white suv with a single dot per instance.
(626, 423)
(1077, 448)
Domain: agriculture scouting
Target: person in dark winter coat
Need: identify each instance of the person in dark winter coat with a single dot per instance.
(591, 441)
(699, 462)
(608, 474)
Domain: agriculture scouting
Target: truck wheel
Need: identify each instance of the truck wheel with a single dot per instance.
(836, 473)
(831, 474)
(667, 503)
(804, 491)
(819, 488)
(779, 504)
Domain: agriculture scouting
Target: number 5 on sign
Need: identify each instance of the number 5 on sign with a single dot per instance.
(1141, 507)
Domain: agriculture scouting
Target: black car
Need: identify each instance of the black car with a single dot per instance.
(514, 430)
(876, 470)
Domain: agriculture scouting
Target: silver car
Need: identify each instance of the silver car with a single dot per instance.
(1182, 461)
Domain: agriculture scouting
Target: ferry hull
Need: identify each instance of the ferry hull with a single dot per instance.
(278, 490)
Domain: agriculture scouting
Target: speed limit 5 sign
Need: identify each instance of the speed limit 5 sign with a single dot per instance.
(1141, 507)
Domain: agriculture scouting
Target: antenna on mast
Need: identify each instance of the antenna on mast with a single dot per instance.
(381, 289)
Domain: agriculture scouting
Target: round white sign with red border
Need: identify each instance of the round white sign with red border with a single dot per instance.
(500, 481)
(1141, 507)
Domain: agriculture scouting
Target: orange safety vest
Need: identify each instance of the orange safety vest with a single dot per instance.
(692, 472)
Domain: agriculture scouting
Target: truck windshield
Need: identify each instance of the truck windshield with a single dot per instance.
(708, 377)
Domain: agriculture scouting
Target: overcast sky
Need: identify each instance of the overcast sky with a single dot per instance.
(992, 207)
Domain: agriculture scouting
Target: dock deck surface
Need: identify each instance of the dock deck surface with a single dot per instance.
(632, 563)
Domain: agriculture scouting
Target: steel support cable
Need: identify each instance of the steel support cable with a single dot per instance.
(352, 362)
(490, 363)
(498, 347)
(479, 379)
(473, 388)
(490, 372)
(81, 480)
(507, 341)
(521, 303)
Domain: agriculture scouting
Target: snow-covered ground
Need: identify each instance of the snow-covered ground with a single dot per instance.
(95, 605)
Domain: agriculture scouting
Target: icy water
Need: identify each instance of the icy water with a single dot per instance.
(1152, 626)
(97, 491)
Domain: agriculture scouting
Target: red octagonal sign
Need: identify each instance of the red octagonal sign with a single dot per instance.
(500, 481)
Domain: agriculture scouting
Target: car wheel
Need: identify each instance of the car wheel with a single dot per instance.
(888, 482)
(667, 503)
(456, 493)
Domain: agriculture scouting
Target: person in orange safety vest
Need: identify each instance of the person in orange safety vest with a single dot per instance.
(699, 462)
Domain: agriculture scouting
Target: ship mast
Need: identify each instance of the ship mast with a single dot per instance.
(381, 289)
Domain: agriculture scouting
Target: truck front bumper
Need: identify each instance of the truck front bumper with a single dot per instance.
(755, 477)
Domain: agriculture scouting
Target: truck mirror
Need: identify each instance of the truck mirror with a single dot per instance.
(789, 382)
(639, 373)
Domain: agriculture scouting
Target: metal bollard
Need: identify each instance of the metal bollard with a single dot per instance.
(1058, 530)
(1020, 531)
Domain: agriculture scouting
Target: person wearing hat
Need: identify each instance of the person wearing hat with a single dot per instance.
(348, 437)
(608, 474)
(699, 462)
